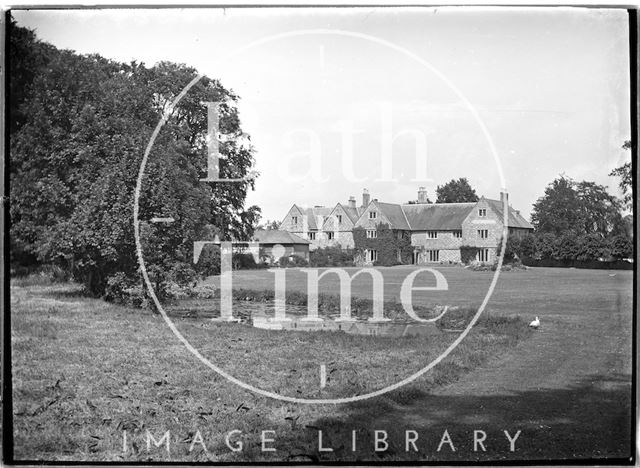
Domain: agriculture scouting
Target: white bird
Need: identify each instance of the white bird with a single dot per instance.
(535, 323)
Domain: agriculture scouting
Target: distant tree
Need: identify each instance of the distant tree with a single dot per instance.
(577, 207)
(600, 212)
(626, 179)
(558, 210)
(456, 191)
(270, 225)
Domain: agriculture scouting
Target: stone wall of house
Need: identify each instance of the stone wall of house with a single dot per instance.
(447, 245)
(474, 222)
(322, 240)
(368, 223)
(338, 223)
(300, 227)
(344, 239)
(315, 241)
(445, 240)
(444, 256)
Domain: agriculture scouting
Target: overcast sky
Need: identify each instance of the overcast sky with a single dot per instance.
(359, 98)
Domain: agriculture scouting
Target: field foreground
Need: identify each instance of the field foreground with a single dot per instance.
(85, 372)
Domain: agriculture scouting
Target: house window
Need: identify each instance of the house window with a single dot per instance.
(433, 255)
(371, 234)
(483, 255)
(457, 234)
(432, 234)
(373, 215)
(483, 233)
(399, 235)
(372, 255)
(312, 236)
(399, 255)
(294, 220)
(330, 235)
(482, 212)
(339, 219)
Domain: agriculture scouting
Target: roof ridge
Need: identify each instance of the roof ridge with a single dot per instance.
(501, 204)
(438, 204)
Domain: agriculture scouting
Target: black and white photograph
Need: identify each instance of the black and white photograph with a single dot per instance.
(364, 235)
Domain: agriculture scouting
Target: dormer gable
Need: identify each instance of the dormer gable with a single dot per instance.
(339, 219)
(294, 220)
(371, 216)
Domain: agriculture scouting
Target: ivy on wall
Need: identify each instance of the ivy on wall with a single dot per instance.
(388, 242)
(468, 253)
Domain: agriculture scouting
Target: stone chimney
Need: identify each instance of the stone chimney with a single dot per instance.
(366, 198)
(422, 195)
(504, 196)
(352, 202)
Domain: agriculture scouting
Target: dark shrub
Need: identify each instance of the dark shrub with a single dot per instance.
(331, 257)
(243, 261)
(621, 247)
(468, 253)
(123, 290)
(296, 261)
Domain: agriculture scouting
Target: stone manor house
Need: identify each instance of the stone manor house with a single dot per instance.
(437, 230)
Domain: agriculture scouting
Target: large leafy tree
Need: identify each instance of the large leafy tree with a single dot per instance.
(456, 191)
(80, 125)
(600, 212)
(572, 208)
(558, 210)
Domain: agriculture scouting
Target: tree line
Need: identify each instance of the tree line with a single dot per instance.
(578, 221)
(79, 126)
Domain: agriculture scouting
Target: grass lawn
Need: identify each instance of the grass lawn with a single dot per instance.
(84, 371)
(532, 292)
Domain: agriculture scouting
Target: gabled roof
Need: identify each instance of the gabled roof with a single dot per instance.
(437, 216)
(353, 213)
(274, 236)
(393, 212)
(297, 208)
(514, 218)
(313, 213)
(416, 217)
